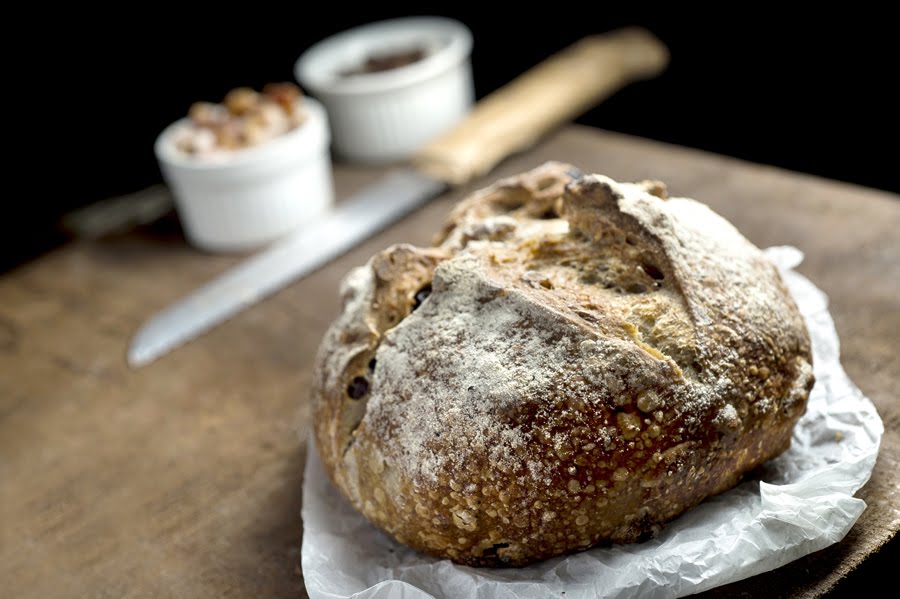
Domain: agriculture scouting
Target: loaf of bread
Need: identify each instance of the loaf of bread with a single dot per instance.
(575, 362)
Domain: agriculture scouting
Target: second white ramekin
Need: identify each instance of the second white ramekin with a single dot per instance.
(386, 116)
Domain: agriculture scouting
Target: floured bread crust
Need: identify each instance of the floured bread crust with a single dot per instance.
(576, 361)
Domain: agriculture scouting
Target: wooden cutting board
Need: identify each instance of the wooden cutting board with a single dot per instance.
(184, 479)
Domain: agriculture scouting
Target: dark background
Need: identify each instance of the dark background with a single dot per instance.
(810, 93)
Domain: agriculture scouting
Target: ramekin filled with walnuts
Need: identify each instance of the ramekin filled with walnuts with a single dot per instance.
(250, 169)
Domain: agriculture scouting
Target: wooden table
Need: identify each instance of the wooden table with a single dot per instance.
(183, 479)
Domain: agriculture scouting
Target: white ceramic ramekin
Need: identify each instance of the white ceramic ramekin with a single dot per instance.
(386, 116)
(247, 198)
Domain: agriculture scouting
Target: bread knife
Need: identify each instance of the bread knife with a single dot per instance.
(510, 119)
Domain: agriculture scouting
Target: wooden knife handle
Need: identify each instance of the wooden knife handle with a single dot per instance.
(557, 90)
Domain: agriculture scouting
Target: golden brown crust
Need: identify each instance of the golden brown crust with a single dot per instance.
(592, 361)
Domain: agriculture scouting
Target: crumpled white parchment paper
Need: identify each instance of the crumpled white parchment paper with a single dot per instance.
(804, 504)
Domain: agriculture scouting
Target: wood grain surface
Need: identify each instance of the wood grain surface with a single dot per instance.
(184, 478)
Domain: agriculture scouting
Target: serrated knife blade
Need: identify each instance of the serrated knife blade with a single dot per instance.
(357, 218)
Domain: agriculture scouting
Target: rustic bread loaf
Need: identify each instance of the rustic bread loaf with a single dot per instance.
(576, 361)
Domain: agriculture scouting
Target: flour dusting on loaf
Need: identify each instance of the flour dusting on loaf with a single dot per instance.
(574, 362)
